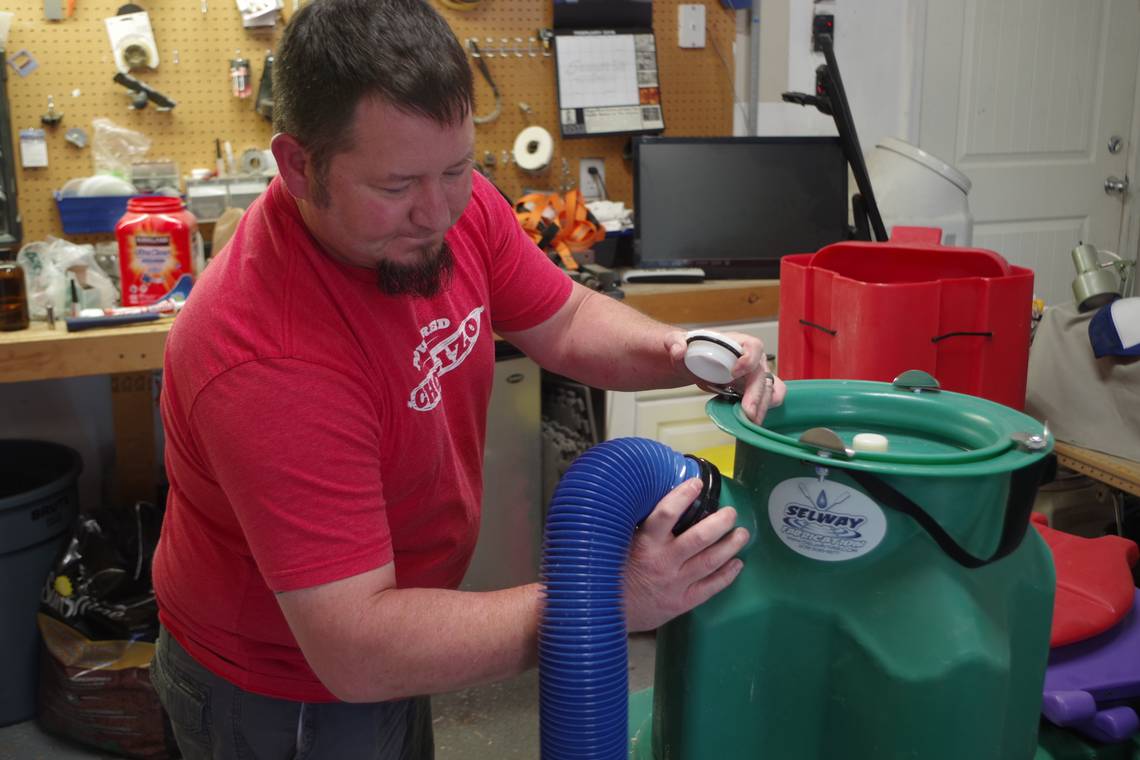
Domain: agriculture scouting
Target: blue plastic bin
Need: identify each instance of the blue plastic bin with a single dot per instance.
(90, 214)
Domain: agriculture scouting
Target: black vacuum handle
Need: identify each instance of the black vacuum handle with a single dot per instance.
(831, 99)
(845, 123)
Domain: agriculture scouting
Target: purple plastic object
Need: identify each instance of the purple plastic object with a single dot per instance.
(1085, 679)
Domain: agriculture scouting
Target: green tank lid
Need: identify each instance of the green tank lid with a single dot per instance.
(930, 431)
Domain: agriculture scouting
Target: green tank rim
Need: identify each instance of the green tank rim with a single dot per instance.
(976, 432)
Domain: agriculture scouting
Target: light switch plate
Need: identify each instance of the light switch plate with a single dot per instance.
(691, 25)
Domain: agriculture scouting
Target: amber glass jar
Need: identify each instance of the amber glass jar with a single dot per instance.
(13, 297)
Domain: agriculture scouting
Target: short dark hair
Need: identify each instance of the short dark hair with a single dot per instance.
(336, 52)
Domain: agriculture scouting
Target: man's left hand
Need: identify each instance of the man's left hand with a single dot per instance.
(758, 388)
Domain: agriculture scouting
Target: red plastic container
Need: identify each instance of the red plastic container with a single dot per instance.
(158, 243)
(870, 311)
(1094, 582)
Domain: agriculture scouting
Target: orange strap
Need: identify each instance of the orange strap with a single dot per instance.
(563, 221)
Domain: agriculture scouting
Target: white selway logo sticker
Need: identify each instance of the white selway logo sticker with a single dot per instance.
(824, 520)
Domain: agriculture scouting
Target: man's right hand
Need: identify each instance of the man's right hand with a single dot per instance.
(668, 575)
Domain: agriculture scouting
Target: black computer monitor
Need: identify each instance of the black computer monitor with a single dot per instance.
(734, 206)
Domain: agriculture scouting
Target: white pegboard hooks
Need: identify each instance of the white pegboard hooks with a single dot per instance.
(507, 47)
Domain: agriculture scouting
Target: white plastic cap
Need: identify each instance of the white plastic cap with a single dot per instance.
(711, 356)
(870, 442)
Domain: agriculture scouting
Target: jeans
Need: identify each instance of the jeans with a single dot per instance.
(215, 720)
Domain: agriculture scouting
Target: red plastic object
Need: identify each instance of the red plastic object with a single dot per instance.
(158, 244)
(1094, 582)
(929, 235)
(870, 311)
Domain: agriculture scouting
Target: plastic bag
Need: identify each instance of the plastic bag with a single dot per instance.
(114, 148)
(46, 282)
(52, 264)
(101, 584)
(99, 693)
(99, 621)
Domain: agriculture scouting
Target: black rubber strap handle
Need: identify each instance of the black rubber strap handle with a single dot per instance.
(827, 330)
(986, 335)
(1022, 491)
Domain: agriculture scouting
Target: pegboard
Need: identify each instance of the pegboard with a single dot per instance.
(197, 38)
(696, 89)
(74, 56)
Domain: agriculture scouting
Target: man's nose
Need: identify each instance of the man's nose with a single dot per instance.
(432, 210)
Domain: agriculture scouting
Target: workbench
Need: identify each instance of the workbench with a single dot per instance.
(40, 354)
(130, 355)
(1117, 472)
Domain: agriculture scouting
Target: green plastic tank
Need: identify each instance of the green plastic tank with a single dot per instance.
(1055, 743)
(892, 603)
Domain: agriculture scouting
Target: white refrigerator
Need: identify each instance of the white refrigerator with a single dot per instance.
(510, 535)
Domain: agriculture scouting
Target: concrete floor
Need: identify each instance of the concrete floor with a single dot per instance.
(500, 720)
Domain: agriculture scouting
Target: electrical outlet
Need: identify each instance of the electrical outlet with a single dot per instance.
(593, 187)
(691, 26)
(822, 23)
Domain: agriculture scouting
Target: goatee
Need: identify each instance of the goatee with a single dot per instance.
(425, 278)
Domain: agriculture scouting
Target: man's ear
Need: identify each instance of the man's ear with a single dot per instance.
(293, 164)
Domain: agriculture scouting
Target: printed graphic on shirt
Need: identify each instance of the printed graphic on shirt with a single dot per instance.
(835, 524)
(441, 351)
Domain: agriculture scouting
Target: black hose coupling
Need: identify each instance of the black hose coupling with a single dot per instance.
(707, 502)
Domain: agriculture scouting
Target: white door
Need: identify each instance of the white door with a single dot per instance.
(1024, 96)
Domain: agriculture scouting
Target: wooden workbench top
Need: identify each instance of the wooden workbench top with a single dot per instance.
(1117, 472)
(709, 302)
(40, 354)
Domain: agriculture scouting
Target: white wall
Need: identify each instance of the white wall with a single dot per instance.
(876, 43)
(75, 412)
(879, 46)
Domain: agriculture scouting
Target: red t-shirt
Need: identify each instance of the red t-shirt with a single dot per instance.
(317, 428)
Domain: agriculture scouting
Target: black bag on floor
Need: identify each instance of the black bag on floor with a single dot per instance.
(99, 621)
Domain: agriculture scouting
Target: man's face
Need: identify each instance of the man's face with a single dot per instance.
(390, 200)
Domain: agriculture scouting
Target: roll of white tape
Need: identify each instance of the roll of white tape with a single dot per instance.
(534, 148)
(252, 161)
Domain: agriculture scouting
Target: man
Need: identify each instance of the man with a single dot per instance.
(325, 401)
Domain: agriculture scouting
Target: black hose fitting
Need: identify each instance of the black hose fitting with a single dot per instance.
(707, 502)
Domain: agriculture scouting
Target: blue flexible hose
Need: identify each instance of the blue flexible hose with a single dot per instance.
(583, 652)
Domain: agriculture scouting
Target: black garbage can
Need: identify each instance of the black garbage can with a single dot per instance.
(39, 500)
